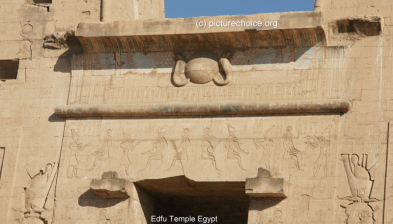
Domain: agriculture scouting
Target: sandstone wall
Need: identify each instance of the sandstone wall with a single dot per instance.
(350, 59)
(32, 136)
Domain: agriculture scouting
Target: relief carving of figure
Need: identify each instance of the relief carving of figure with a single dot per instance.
(127, 146)
(208, 147)
(322, 142)
(181, 150)
(72, 170)
(158, 147)
(36, 193)
(234, 151)
(107, 144)
(290, 147)
(74, 162)
(266, 145)
(359, 211)
(202, 68)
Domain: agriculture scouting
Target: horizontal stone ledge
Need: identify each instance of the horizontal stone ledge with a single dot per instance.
(333, 106)
(303, 29)
(197, 25)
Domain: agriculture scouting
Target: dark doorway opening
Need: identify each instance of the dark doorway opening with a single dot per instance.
(181, 197)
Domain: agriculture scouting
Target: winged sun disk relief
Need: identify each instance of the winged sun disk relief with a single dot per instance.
(202, 68)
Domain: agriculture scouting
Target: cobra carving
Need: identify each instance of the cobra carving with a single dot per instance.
(202, 67)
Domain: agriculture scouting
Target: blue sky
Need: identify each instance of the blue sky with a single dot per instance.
(195, 8)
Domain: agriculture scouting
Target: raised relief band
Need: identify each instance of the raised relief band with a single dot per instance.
(205, 109)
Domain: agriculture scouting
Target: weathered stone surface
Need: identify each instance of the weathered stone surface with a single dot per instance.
(15, 50)
(264, 185)
(308, 100)
(110, 186)
(290, 20)
(206, 109)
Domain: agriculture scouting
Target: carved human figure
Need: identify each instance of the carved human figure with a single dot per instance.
(290, 147)
(234, 151)
(73, 161)
(72, 170)
(76, 147)
(158, 147)
(202, 68)
(208, 147)
(181, 151)
(265, 145)
(36, 193)
(127, 146)
(322, 142)
(107, 144)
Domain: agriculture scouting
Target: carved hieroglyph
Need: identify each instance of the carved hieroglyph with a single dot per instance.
(360, 182)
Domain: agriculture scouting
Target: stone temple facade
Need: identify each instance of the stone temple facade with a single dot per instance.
(113, 114)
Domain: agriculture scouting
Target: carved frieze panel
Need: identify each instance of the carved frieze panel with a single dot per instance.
(301, 151)
(252, 74)
(135, 148)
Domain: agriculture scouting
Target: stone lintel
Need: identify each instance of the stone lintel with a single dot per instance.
(333, 106)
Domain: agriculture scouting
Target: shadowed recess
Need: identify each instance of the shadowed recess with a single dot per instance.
(182, 197)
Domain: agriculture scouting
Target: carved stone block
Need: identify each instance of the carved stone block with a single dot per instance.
(265, 186)
(111, 186)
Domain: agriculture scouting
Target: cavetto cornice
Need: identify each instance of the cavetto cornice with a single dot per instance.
(203, 33)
